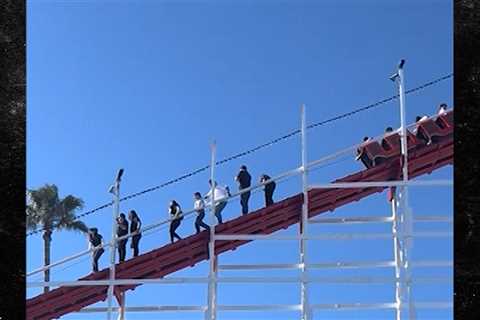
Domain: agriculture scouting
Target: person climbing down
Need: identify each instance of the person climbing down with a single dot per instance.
(176, 217)
(244, 181)
(199, 207)
(122, 230)
(95, 240)
(220, 199)
(135, 227)
(269, 188)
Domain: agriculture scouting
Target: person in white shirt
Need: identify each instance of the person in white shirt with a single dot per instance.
(199, 207)
(442, 109)
(220, 195)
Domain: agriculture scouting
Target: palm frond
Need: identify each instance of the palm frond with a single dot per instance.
(74, 225)
(46, 209)
(70, 204)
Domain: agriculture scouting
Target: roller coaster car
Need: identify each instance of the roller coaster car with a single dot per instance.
(374, 153)
(434, 130)
(445, 120)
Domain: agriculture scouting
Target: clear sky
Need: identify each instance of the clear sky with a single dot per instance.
(147, 85)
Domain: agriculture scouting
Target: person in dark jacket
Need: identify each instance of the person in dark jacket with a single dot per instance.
(95, 240)
(176, 218)
(199, 207)
(269, 189)
(122, 230)
(135, 227)
(244, 181)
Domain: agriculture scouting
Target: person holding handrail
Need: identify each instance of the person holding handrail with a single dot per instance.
(199, 206)
(95, 240)
(244, 181)
(135, 227)
(122, 230)
(220, 199)
(269, 189)
(176, 217)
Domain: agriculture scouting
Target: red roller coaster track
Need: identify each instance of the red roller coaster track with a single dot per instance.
(186, 253)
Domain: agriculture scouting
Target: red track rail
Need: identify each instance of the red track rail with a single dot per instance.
(191, 250)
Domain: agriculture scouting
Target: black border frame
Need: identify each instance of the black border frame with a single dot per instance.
(466, 170)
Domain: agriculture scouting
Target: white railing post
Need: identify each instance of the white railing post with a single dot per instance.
(122, 307)
(397, 252)
(211, 313)
(406, 228)
(304, 220)
(115, 189)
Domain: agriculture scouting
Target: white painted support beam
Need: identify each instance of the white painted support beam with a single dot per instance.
(333, 236)
(352, 280)
(332, 265)
(294, 307)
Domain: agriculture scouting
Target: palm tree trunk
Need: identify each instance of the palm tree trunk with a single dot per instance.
(47, 239)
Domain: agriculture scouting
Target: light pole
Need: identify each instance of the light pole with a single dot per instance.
(115, 190)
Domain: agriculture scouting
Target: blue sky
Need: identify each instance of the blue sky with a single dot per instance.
(147, 85)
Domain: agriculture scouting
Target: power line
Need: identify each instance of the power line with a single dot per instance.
(262, 146)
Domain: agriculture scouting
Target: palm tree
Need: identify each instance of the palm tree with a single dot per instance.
(46, 210)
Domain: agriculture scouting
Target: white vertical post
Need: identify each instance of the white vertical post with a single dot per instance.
(303, 223)
(211, 313)
(398, 259)
(116, 209)
(121, 314)
(403, 136)
(406, 214)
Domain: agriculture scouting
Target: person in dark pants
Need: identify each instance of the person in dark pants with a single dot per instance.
(199, 207)
(244, 181)
(122, 230)
(135, 227)
(269, 189)
(176, 218)
(95, 240)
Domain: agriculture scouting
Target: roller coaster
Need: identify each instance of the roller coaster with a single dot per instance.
(388, 166)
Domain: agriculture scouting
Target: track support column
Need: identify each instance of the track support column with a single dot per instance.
(306, 312)
(211, 313)
(115, 190)
(398, 257)
(401, 199)
(121, 311)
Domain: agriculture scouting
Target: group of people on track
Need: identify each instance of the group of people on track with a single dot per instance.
(220, 196)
